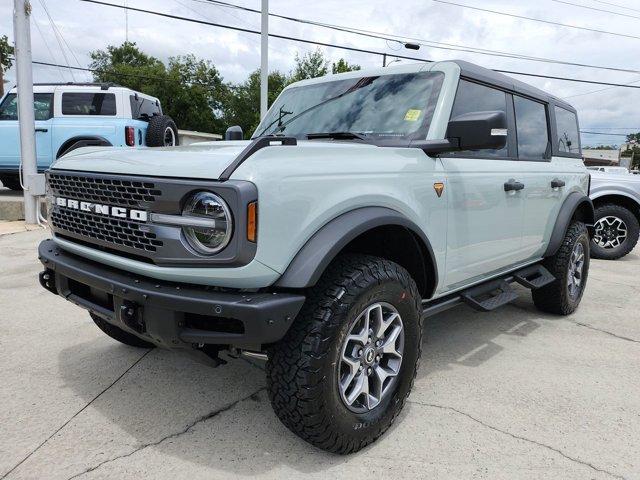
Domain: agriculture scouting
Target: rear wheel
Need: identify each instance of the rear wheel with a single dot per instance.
(12, 182)
(570, 266)
(119, 334)
(342, 373)
(616, 232)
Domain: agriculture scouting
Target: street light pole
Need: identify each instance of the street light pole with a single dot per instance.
(264, 59)
(26, 118)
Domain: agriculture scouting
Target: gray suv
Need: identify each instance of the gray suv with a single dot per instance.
(365, 202)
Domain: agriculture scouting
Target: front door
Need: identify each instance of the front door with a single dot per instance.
(486, 202)
(10, 133)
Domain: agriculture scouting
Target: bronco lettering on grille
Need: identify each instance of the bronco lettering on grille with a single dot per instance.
(101, 209)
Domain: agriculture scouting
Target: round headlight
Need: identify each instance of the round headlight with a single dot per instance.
(211, 227)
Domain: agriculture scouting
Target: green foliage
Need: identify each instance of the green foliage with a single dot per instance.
(6, 52)
(310, 65)
(604, 147)
(633, 136)
(243, 104)
(192, 91)
(342, 66)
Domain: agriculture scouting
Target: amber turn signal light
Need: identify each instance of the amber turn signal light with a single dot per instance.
(252, 221)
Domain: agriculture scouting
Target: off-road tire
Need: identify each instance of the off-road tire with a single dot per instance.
(302, 367)
(119, 334)
(158, 124)
(554, 298)
(633, 231)
(12, 182)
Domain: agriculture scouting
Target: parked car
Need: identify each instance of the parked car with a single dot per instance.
(616, 199)
(364, 202)
(622, 170)
(73, 115)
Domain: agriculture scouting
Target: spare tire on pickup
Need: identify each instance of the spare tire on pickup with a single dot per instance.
(162, 132)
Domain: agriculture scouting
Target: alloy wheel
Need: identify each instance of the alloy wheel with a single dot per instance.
(610, 232)
(576, 269)
(169, 137)
(371, 357)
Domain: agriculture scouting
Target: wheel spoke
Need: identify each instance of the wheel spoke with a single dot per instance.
(361, 387)
(389, 345)
(353, 365)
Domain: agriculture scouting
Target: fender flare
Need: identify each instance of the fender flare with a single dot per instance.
(82, 141)
(572, 203)
(312, 259)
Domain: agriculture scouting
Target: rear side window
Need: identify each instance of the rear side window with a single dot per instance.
(42, 106)
(568, 136)
(143, 107)
(88, 103)
(531, 129)
(473, 97)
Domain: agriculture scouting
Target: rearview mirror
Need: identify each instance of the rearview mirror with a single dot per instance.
(478, 130)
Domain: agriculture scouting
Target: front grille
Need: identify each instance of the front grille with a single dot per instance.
(128, 193)
(111, 230)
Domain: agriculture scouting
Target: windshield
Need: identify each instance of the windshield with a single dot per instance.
(397, 105)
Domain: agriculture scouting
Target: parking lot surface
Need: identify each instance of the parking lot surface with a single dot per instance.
(509, 394)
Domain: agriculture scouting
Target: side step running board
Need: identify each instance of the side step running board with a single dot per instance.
(533, 277)
(493, 294)
(489, 296)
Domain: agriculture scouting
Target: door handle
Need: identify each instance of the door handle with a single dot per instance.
(557, 183)
(44, 130)
(512, 185)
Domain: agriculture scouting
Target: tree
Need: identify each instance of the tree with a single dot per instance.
(310, 65)
(633, 137)
(191, 91)
(243, 104)
(342, 66)
(6, 51)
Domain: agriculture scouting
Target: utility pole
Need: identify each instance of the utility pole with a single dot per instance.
(26, 118)
(264, 60)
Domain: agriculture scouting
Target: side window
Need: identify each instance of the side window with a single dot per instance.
(41, 106)
(531, 129)
(473, 97)
(88, 103)
(143, 107)
(568, 136)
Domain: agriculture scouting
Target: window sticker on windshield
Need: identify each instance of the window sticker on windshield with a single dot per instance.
(412, 115)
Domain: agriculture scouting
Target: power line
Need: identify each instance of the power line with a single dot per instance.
(55, 34)
(549, 22)
(604, 133)
(597, 91)
(423, 42)
(596, 9)
(614, 5)
(345, 47)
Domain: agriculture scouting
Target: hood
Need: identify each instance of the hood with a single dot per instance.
(203, 160)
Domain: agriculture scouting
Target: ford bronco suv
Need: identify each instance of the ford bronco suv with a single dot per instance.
(364, 202)
(74, 115)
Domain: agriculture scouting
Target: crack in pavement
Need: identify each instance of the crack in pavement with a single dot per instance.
(518, 437)
(204, 418)
(590, 327)
(606, 332)
(76, 414)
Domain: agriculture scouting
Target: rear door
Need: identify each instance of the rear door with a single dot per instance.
(484, 233)
(551, 171)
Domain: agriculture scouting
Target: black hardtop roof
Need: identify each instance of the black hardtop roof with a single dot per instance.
(473, 71)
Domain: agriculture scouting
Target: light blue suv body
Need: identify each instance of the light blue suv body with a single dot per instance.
(69, 116)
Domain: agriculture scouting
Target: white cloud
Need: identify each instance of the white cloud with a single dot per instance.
(88, 27)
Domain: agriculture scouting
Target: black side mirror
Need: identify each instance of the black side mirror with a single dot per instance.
(234, 133)
(478, 130)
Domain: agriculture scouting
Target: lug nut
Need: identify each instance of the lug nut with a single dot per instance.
(377, 358)
(360, 352)
(369, 371)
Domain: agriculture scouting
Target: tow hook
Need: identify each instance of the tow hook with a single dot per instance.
(130, 315)
(48, 281)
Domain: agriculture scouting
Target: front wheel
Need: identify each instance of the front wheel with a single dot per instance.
(342, 373)
(570, 267)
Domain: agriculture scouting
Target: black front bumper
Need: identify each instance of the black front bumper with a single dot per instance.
(168, 314)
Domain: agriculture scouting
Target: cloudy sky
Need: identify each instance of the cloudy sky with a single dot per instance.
(86, 27)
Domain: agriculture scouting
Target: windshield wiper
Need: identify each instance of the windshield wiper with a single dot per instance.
(337, 135)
